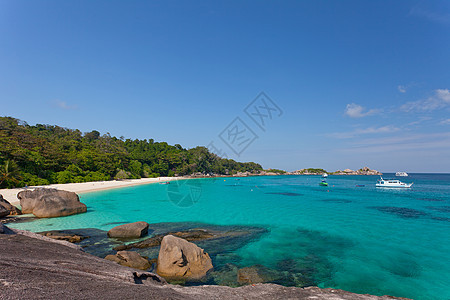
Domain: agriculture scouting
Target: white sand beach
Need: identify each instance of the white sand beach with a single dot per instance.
(85, 187)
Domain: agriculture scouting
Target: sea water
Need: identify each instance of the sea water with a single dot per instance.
(349, 235)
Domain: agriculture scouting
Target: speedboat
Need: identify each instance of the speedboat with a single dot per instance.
(401, 174)
(392, 183)
(323, 183)
(324, 175)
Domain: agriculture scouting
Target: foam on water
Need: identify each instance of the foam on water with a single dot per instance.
(360, 239)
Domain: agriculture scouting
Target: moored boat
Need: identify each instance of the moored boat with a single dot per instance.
(392, 183)
(401, 174)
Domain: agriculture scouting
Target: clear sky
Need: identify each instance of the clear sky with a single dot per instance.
(356, 82)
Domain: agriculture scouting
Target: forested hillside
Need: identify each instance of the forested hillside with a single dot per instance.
(44, 154)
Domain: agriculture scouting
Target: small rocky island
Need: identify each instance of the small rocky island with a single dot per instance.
(311, 171)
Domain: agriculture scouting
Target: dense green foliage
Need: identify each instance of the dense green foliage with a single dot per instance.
(276, 171)
(314, 171)
(43, 154)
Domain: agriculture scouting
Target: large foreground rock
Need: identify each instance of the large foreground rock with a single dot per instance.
(130, 259)
(48, 203)
(131, 230)
(180, 259)
(32, 268)
(5, 205)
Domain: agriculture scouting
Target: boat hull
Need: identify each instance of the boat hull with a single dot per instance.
(406, 186)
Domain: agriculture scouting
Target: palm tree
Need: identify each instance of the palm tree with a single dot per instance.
(9, 174)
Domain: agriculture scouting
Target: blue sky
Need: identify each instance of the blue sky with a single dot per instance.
(357, 82)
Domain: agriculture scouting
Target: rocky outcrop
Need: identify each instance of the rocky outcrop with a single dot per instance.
(48, 203)
(33, 268)
(12, 210)
(63, 236)
(363, 171)
(131, 230)
(3, 212)
(130, 259)
(180, 259)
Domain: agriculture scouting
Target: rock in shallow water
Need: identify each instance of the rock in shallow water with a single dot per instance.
(189, 235)
(179, 259)
(49, 203)
(256, 274)
(64, 236)
(131, 230)
(130, 259)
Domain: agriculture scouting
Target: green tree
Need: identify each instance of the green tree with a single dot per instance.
(9, 174)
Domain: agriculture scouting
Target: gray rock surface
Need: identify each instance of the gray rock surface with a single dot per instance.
(130, 259)
(48, 203)
(13, 211)
(130, 230)
(180, 259)
(41, 268)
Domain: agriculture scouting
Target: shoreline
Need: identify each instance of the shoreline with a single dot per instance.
(93, 186)
(86, 187)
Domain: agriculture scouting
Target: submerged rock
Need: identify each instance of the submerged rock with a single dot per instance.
(256, 274)
(131, 230)
(189, 235)
(130, 259)
(5, 205)
(64, 236)
(48, 203)
(180, 259)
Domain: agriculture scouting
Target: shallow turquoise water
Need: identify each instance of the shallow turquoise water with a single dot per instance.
(360, 239)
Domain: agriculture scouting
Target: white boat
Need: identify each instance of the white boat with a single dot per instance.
(324, 175)
(392, 183)
(401, 174)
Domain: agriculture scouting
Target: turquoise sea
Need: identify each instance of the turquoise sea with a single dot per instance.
(357, 238)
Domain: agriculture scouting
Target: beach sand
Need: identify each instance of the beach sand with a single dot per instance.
(86, 187)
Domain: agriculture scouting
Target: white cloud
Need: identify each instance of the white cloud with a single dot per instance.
(354, 110)
(64, 105)
(440, 99)
(445, 122)
(364, 131)
(401, 88)
(444, 95)
(403, 143)
(438, 17)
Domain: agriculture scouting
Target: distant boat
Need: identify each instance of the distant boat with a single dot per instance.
(323, 183)
(401, 174)
(392, 183)
(167, 182)
(324, 175)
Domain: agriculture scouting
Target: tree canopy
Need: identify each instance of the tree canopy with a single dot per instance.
(44, 154)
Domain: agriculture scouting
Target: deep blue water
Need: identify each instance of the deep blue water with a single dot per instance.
(357, 238)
